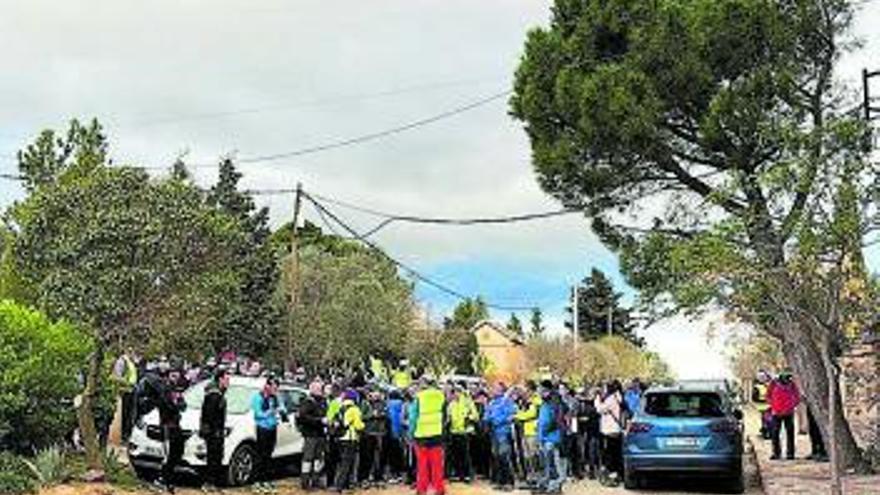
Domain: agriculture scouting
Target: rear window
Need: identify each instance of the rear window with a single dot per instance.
(684, 404)
(238, 398)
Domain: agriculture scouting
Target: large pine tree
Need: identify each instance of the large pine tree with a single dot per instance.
(600, 311)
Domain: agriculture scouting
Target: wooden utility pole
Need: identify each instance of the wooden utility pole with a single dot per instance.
(293, 276)
(575, 315)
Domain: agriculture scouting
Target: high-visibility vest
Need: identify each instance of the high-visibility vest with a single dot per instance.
(529, 417)
(429, 422)
(352, 421)
(462, 415)
(402, 379)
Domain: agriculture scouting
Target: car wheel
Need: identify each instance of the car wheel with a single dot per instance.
(736, 484)
(242, 465)
(631, 480)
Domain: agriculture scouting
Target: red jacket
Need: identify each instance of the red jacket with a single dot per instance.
(783, 397)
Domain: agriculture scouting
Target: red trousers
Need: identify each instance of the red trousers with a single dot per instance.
(430, 470)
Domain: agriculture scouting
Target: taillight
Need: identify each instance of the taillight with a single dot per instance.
(639, 428)
(724, 427)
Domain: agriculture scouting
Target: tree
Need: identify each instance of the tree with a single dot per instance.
(352, 304)
(600, 311)
(135, 261)
(515, 326)
(727, 115)
(537, 323)
(443, 351)
(467, 314)
(38, 372)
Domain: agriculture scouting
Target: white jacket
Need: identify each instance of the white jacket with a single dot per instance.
(611, 421)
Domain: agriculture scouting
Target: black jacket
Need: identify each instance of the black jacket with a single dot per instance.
(310, 417)
(212, 423)
(170, 405)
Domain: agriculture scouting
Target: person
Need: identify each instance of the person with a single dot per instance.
(570, 462)
(589, 437)
(550, 437)
(311, 421)
(401, 378)
(125, 374)
(499, 416)
(352, 424)
(397, 442)
(633, 398)
(759, 397)
(333, 393)
(212, 426)
(463, 415)
(818, 452)
(426, 425)
(609, 405)
(528, 417)
(171, 405)
(784, 397)
(376, 421)
(267, 411)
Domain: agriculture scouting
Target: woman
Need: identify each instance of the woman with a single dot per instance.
(609, 405)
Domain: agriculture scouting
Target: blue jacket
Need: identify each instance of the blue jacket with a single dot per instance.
(633, 399)
(548, 428)
(266, 411)
(395, 417)
(499, 417)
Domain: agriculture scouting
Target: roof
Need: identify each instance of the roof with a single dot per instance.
(507, 334)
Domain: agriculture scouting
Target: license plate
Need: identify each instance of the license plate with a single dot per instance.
(682, 443)
(153, 451)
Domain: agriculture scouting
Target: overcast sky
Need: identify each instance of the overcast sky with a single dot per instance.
(251, 77)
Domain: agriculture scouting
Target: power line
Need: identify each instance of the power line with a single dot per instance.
(11, 177)
(414, 273)
(376, 135)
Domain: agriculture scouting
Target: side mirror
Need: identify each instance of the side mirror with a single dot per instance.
(738, 415)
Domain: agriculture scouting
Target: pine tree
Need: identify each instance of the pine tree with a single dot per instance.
(537, 323)
(515, 326)
(600, 311)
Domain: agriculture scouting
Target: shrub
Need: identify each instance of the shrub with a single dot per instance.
(39, 364)
(15, 477)
(49, 466)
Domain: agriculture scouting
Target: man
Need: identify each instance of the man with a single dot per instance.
(550, 439)
(784, 397)
(426, 426)
(499, 416)
(589, 437)
(352, 425)
(397, 446)
(212, 426)
(332, 393)
(528, 417)
(170, 406)
(633, 398)
(462, 414)
(376, 428)
(267, 410)
(125, 374)
(311, 420)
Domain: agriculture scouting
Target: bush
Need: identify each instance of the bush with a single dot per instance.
(15, 477)
(39, 364)
(49, 466)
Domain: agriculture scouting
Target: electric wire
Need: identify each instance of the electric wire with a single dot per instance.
(406, 268)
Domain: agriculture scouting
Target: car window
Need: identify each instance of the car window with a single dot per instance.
(291, 398)
(238, 397)
(685, 404)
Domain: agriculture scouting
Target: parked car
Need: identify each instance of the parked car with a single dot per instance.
(146, 447)
(686, 429)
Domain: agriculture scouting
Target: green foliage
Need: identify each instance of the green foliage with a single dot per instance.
(536, 322)
(467, 314)
(351, 305)
(599, 307)
(118, 474)
(15, 476)
(49, 466)
(515, 326)
(444, 351)
(39, 363)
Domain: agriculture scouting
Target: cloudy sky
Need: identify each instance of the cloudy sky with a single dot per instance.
(257, 77)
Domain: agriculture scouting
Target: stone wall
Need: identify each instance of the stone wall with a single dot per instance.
(861, 390)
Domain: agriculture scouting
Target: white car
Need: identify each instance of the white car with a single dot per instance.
(146, 449)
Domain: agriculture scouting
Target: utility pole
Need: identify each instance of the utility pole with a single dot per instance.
(294, 268)
(610, 320)
(866, 93)
(575, 315)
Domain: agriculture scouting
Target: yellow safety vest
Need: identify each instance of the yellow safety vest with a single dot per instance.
(402, 379)
(429, 422)
(462, 415)
(529, 417)
(352, 420)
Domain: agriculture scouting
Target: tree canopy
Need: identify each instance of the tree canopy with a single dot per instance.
(467, 313)
(600, 311)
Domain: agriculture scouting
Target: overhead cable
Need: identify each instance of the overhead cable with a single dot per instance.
(414, 273)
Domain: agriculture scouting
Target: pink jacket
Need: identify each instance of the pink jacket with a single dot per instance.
(783, 398)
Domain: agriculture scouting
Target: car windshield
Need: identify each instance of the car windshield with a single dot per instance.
(238, 398)
(684, 404)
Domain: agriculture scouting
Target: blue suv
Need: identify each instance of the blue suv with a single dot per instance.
(685, 429)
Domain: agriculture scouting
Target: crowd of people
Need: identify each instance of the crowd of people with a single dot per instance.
(361, 431)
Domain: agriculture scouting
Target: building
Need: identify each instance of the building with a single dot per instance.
(504, 352)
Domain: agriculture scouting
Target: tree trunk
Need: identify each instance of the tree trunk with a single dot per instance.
(86, 411)
(805, 359)
(834, 404)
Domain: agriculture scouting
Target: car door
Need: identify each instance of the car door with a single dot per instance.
(290, 441)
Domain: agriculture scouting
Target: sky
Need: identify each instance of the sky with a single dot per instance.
(206, 79)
